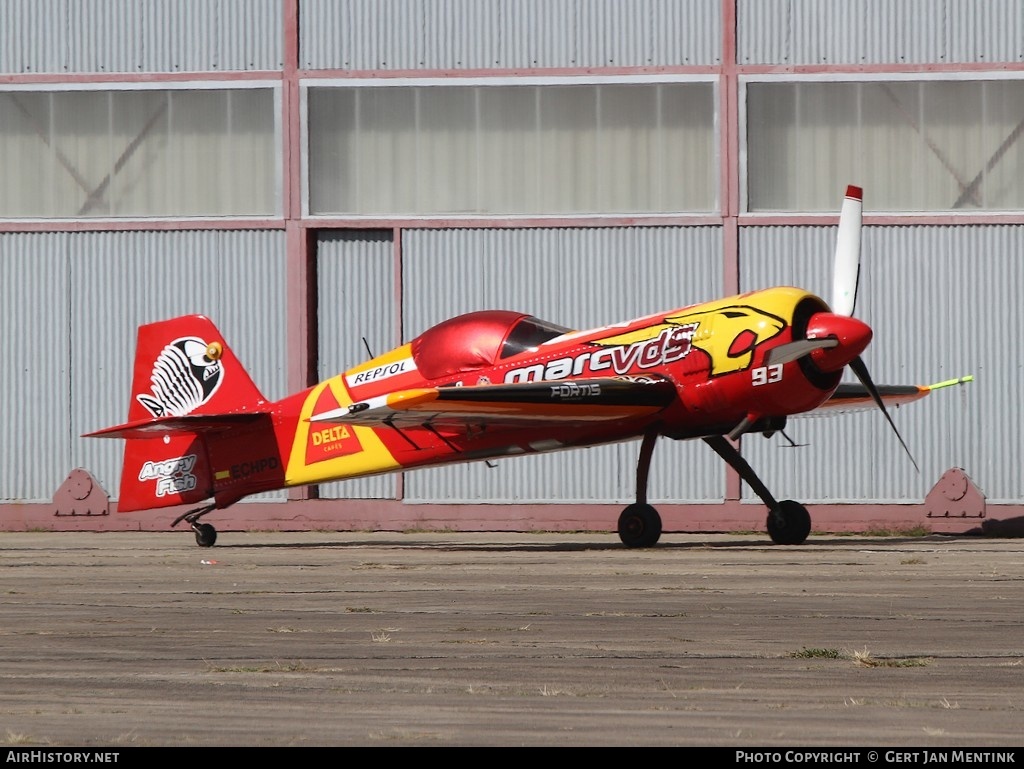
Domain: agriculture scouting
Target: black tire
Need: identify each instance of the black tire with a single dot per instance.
(790, 524)
(639, 526)
(206, 535)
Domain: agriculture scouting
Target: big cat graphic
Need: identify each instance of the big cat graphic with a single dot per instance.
(500, 383)
(734, 331)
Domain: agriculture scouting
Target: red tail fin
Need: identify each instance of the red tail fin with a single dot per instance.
(187, 384)
(184, 366)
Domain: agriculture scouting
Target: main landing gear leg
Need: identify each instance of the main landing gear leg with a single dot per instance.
(640, 524)
(206, 535)
(789, 523)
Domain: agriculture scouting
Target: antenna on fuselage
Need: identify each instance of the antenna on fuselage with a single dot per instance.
(367, 346)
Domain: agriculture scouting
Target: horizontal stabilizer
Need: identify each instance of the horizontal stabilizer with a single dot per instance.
(185, 425)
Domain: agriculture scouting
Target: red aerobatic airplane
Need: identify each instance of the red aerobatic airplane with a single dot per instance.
(498, 383)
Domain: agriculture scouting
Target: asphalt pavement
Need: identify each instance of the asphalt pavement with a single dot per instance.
(131, 639)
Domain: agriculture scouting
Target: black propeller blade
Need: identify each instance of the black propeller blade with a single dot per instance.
(861, 370)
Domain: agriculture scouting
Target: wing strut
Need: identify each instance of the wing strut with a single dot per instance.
(401, 432)
(639, 524)
(643, 465)
(789, 523)
(445, 441)
(728, 452)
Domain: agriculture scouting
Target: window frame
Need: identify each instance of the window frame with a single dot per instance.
(875, 76)
(275, 86)
(310, 83)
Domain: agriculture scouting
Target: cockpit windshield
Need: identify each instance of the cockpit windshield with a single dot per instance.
(475, 340)
(530, 332)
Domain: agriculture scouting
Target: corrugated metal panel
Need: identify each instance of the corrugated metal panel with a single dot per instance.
(34, 432)
(985, 32)
(943, 302)
(799, 32)
(578, 278)
(120, 280)
(356, 288)
(496, 34)
(140, 36)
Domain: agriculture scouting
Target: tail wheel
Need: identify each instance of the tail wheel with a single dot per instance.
(789, 524)
(639, 526)
(206, 535)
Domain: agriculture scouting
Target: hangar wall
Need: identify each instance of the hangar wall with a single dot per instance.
(496, 35)
(296, 289)
(126, 37)
(71, 302)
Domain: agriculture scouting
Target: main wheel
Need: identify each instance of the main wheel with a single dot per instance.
(206, 535)
(639, 526)
(790, 524)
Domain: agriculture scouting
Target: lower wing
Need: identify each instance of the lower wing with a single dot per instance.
(514, 405)
(855, 397)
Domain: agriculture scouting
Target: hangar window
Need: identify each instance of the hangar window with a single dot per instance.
(139, 152)
(614, 146)
(914, 144)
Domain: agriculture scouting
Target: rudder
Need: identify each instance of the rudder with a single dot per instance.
(184, 366)
(186, 384)
(164, 473)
